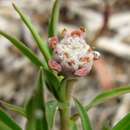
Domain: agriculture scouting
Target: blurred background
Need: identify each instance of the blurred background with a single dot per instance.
(108, 30)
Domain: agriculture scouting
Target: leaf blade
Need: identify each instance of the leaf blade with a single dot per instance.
(118, 92)
(8, 121)
(83, 115)
(123, 124)
(4, 127)
(107, 95)
(23, 49)
(14, 108)
(51, 108)
(36, 107)
(40, 42)
(52, 83)
(52, 31)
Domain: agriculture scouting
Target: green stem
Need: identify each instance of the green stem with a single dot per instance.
(64, 117)
(70, 88)
(65, 106)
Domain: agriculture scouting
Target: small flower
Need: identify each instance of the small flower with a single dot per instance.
(54, 65)
(72, 56)
(53, 42)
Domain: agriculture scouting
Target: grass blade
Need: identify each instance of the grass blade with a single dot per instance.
(53, 23)
(51, 108)
(24, 50)
(123, 124)
(8, 121)
(40, 42)
(41, 121)
(14, 108)
(107, 95)
(4, 127)
(35, 109)
(30, 107)
(83, 115)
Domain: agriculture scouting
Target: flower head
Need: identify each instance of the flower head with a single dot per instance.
(72, 56)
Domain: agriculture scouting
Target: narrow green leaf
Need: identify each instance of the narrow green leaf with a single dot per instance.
(14, 108)
(31, 122)
(83, 115)
(39, 92)
(123, 124)
(107, 95)
(4, 127)
(52, 82)
(36, 107)
(41, 121)
(8, 121)
(103, 97)
(51, 108)
(24, 50)
(40, 42)
(54, 19)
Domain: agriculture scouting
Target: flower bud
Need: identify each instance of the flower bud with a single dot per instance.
(72, 56)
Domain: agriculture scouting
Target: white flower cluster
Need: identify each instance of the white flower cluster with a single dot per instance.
(73, 56)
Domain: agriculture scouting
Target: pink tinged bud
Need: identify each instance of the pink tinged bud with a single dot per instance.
(72, 56)
(54, 65)
(82, 72)
(79, 33)
(76, 33)
(53, 42)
